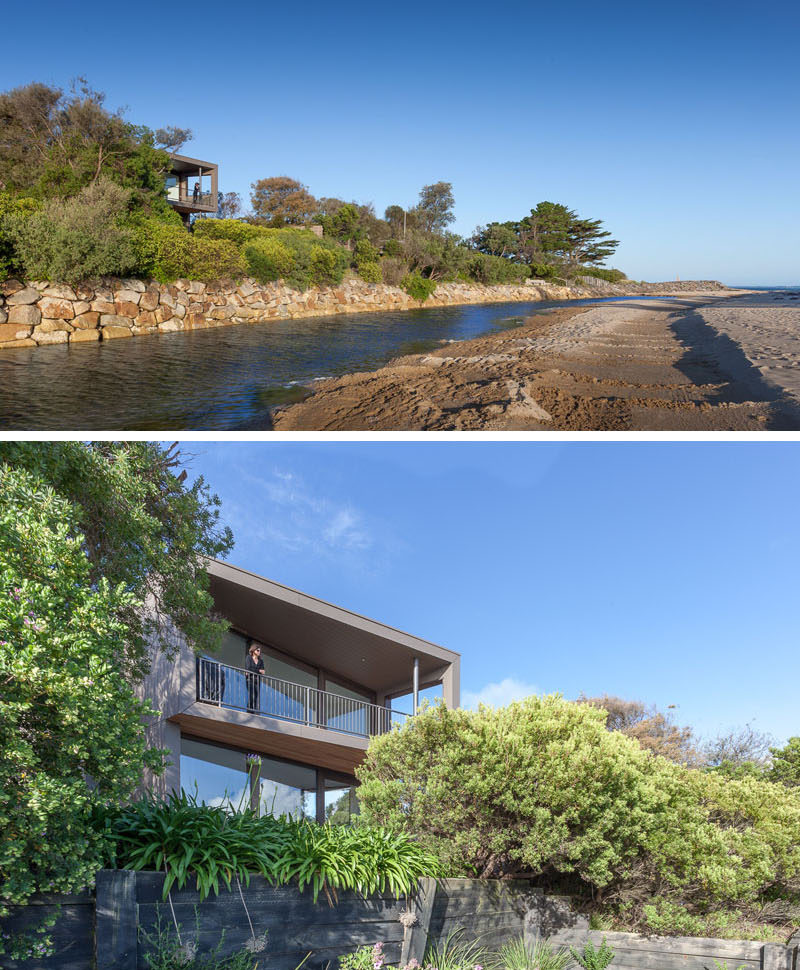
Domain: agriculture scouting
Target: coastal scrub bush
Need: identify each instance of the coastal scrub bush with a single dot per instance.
(492, 270)
(418, 287)
(68, 714)
(541, 786)
(166, 251)
(75, 238)
(205, 843)
(393, 270)
(268, 260)
(609, 275)
(370, 272)
(539, 955)
(12, 210)
(232, 229)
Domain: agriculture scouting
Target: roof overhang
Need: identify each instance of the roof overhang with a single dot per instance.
(321, 634)
(184, 163)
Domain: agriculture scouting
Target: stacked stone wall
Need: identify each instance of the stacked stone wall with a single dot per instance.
(40, 313)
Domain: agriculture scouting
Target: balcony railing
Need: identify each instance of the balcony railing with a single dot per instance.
(239, 690)
(205, 200)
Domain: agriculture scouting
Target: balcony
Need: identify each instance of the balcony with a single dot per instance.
(203, 202)
(237, 689)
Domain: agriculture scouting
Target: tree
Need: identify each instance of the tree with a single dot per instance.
(55, 143)
(145, 529)
(229, 205)
(71, 728)
(282, 201)
(542, 787)
(654, 730)
(434, 210)
(786, 763)
(739, 746)
(496, 239)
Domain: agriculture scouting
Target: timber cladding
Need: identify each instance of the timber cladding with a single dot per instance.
(110, 930)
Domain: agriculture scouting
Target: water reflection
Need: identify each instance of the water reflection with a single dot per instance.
(225, 379)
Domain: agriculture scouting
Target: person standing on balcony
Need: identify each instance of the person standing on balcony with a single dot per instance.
(196, 193)
(254, 666)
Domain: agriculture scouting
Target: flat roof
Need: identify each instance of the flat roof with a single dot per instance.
(185, 163)
(322, 634)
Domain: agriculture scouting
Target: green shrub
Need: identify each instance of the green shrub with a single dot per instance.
(593, 959)
(541, 786)
(325, 268)
(493, 270)
(364, 958)
(370, 272)
(268, 260)
(609, 275)
(15, 211)
(392, 247)
(546, 271)
(393, 270)
(167, 252)
(212, 846)
(233, 230)
(418, 287)
(74, 239)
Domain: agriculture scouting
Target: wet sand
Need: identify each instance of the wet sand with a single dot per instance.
(689, 362)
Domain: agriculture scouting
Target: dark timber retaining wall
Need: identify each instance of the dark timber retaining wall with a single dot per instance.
(109, 931)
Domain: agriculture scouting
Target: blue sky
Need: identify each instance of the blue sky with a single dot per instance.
(675, 123)
(662, 572)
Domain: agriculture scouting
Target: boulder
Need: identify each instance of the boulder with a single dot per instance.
(84, 336)
(56, 309)
(54, 326)
(246, 289)
(113, 320)
(104, 293)
(136, 285)
(43, 337)
(25, 342)
(24, 297)
(114, 333)
(87, 321)
(13, 331)
(146, 318)
(58, 292)
(25, 314)
(102, 306)
(3, 315)
(124, 308)
(180, 310)
(170, 326)
(163, 313)
(167, 299)
(10, 286)
(80, 306)
(195, 286)
(148, 300)
(84, 292)
(127, 296)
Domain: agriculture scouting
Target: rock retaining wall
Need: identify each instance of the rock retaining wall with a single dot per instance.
(38, 313)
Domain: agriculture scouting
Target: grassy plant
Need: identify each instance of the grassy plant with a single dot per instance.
(456, 954)
(591, 958)
(519, 955)
(212, 846)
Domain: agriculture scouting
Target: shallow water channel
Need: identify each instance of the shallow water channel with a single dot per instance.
(222, 379)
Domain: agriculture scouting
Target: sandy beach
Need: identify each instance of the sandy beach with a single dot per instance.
(716, 361)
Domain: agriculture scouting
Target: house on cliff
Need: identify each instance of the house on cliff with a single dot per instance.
(192, 186)
(287, 740)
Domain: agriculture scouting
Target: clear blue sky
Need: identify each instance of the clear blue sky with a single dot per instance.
(662, 572)
(674, 123)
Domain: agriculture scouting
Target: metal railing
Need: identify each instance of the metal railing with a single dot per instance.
(205, 200)
(240, 690)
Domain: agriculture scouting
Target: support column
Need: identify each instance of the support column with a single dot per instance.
(416, 685)
(451, 684)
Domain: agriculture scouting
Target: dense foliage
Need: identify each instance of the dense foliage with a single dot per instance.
(210, 846)
(68, 715)
(541, 786)
(146, 529)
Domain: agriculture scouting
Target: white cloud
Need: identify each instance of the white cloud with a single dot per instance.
(499, 694)
(282, 510)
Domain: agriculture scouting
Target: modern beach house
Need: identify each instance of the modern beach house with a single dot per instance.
(290, 739)
(192, 186)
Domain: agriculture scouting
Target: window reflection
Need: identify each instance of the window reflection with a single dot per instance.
(216, 775)
(341, 804)
(286, 789)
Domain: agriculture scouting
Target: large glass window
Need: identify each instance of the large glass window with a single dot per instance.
(286, 789)
(216, 775)
(341, 804)
(289, 698)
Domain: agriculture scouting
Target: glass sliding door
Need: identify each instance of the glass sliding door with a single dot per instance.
(286, 789)
(214, 774)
